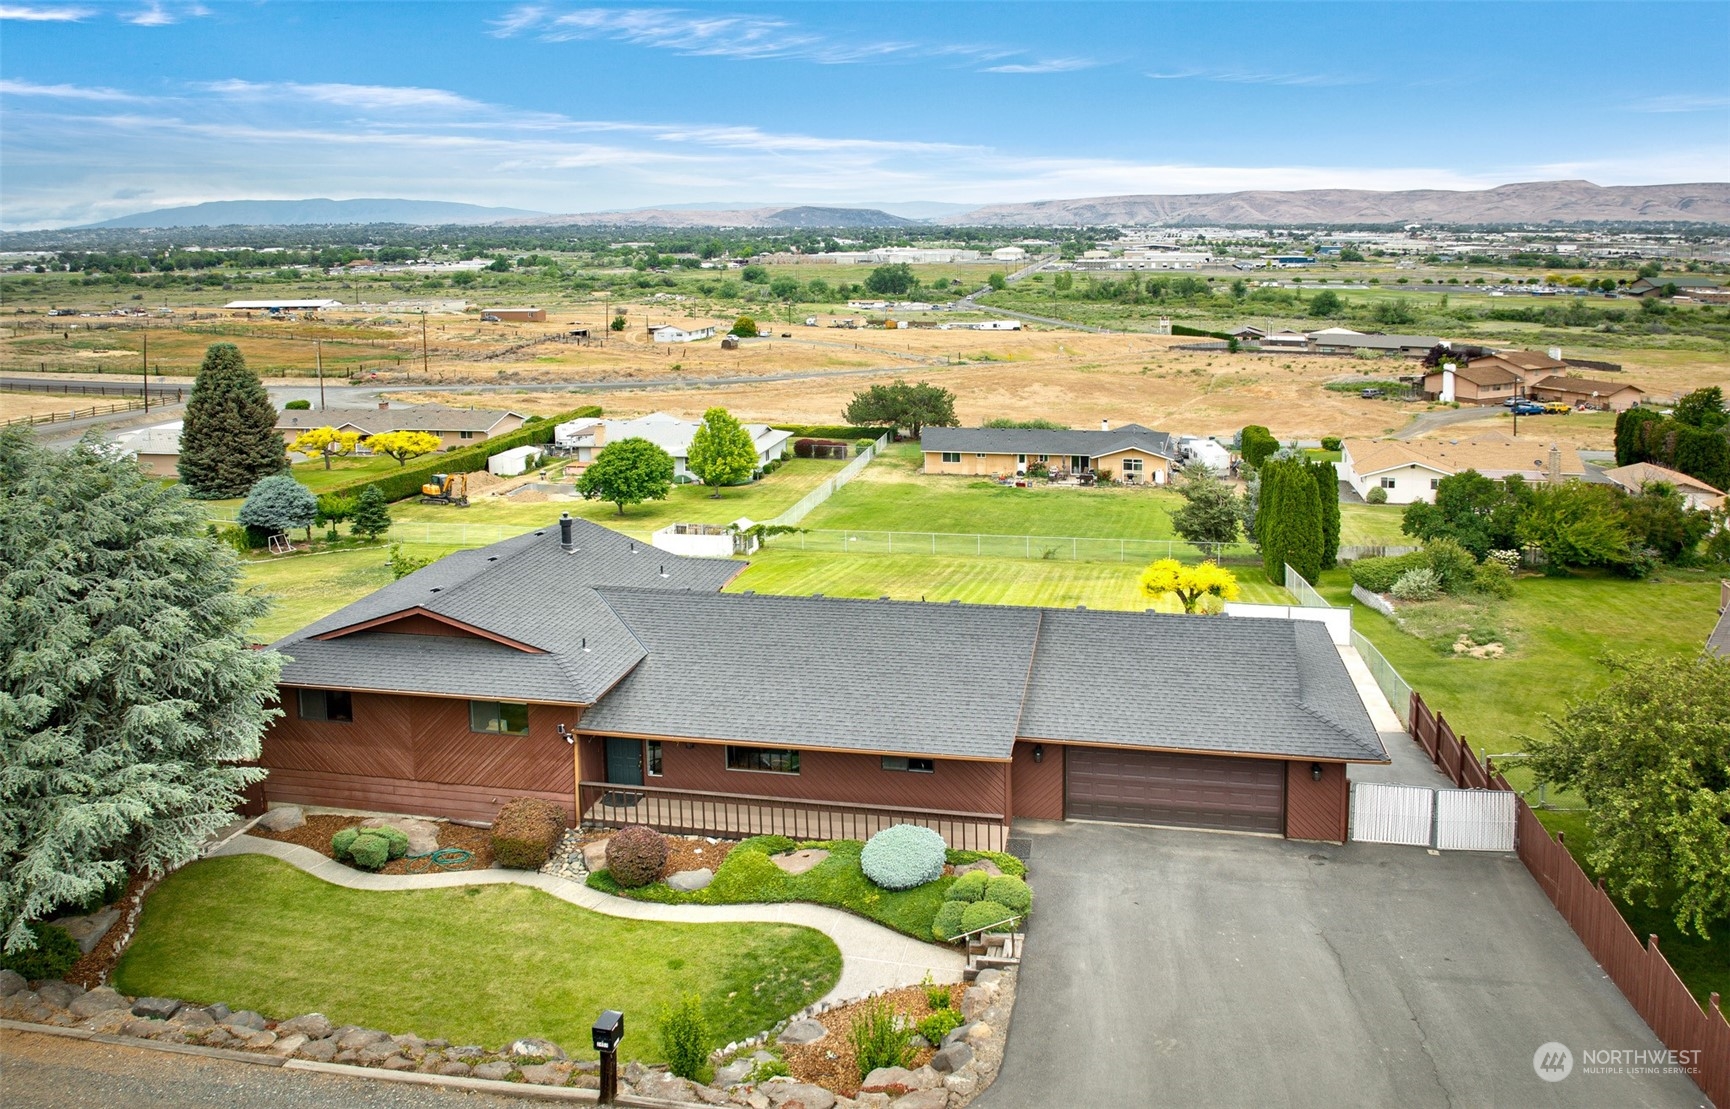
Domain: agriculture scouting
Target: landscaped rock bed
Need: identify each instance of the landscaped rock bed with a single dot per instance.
(582, 852)
(316, 833)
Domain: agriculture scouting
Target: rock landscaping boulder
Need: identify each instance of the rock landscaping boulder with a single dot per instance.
(454, 1069)
(246, 1018)
(219, 1012)
(893, 1079)
(708, 1095)
(89, 930)
(314, 1026)
(976, 1000)
(530, 1046)
(156, 1008)
(667, 1087)
(258, 1041)
(323, 1051)
(872, 1101)
(952, 1058)
(11, 982)
(193, 1019)
(802, 1032)
(495, 1071)
(734, 1073)
(985, 865)
(399, 1062)
(375, 1053)
(989, 977)
(962, 1085)
(595, 855)
(140, 1028)
(98, 1000)
(356, 1038)
(798, 862)
(108, 1022)
(423, 835)
(797, 1095)
(689, 881)
(283, 818)
(547, 1074)
(923, 1099)
(58, 994)
(289, 1044)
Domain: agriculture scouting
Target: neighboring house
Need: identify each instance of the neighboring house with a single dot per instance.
(1527, 365)
(1409, 470)
(1587, 392)
(157, 449)
(1472, 384)
(1133, 454)
(667, 333)
(1684, 284)
(1247, 333)
(1695, 492)
(514, 315)
(585, 438)
(577, 665)
(1285, 340)
(1350, 342)
(275, 306)
(455, 427)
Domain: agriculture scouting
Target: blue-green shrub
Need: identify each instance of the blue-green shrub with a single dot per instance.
(342, 841)
(397, 839)
(902, 856)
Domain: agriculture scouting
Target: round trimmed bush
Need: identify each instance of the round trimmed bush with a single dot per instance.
(397, 839)
(902, 856)
(968, 887)
(636, 855)
(342, 841)
(368, 851)
(52, 957)
(1378, 495)
(983, 914)
(948, 923)
(1010, 892)
(748, 876)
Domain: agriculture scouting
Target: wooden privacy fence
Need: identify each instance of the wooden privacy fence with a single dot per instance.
(1699, 1037)
(74, 413)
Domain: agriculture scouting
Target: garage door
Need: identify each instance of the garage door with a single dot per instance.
(1190, 791)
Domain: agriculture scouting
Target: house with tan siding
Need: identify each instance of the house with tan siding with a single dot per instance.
(455, 427)
(1696, 493)
(577, 665)
(1132, 454)
(1586, 392)
(1409, 470)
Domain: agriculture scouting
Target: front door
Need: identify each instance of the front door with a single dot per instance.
(624, 761)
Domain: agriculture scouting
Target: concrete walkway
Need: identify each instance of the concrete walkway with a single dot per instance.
(1410, 766)
(873, 957)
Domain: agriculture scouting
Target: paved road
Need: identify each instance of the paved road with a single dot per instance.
(51, 1072)
(1183, 968)
(1430, 421)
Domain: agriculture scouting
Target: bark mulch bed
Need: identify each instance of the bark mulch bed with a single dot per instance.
(318, 830)
(830, 1061)
(93, 968)
(683, 852)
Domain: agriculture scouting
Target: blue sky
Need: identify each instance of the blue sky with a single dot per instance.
(113, 107)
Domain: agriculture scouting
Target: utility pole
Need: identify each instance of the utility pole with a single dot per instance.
(425, 372)
(318, 356)
(144, 368)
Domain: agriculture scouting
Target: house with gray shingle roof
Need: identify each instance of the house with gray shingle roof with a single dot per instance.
(1132, 454)
(581, 666)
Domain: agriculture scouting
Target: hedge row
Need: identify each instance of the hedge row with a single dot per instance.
(831, 431)
(406, 481)
(1180, 329)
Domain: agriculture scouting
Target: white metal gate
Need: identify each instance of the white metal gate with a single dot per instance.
(1474, 820)
(1392, 814)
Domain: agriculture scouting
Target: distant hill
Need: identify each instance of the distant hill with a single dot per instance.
(283, 213)
(1527, 202)
(681, 216)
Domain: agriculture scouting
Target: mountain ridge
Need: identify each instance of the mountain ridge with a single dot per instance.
(316, 210)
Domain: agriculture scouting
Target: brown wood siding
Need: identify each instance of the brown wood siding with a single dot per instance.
(1037, 791)
(1316, 810)
(421, 745)
(824, 776)
(421, 624)
(1190, 791)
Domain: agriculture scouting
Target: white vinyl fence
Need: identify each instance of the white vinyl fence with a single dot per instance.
(1475, 819)
(1392, 814)
(1446, 819)
(826, 490)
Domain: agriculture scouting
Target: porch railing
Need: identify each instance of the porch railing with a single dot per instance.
(734, 816)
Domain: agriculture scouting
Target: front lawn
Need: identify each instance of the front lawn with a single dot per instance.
(837, 881)
(473, 964)
(314, 476)
(309, 586)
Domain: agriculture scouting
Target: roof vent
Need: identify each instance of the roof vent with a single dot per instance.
(1081, 608)
(954, 600)
(585, 644)
(492, 558)
(565, 539)
(884, 597)
(663, 569)
(435, 589)
(750, 592)
(816, 594)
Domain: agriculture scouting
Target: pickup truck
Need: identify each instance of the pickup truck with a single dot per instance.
(1526, 408)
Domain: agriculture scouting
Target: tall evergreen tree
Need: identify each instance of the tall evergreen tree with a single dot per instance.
(229, 438)
(1327, 481)
(1290, 520)
(371, 517)
(129, 699)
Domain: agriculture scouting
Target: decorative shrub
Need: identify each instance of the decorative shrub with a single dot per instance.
(297, 406)
(1008, 864)
(1493, 579)
(902, 856)
(748, 876)
(526, 831)
(948, 923)
(369, 851)
(1454, 566)
(939, 1024)
(767, 1069)
(685, 1038)
(968, 887)
(1417, 585)
(768, 845)
(397, 839)
(878, 1038)
(1379, 574)
(342, 841)
(1010, 892)
(984, 914)
(52, 957)
(935, 996)
(1330, 442)
(1378, 495)
(636, 855)
(1510, 559)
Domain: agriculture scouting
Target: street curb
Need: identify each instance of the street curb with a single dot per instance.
(342, 1070)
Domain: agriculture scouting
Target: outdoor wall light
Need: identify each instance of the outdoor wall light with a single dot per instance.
(1039, 752)
(1316, 771)
(565, 734)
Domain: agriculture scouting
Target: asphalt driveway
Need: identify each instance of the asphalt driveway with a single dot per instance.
(1183, 968)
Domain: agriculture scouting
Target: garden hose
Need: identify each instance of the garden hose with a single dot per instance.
(444, 858)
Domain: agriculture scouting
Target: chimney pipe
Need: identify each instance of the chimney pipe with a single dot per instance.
(1555, 464)
(1105, 425)
(565, 539)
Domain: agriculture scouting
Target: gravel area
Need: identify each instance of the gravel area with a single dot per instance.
(830, 1063)
(318, 830)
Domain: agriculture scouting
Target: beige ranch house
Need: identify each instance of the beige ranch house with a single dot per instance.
(455, 427)
(1409, 471)
(1132, 454)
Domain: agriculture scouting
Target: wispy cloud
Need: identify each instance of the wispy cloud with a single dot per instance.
(158, 14)
(352, 96)
(1252, 77)
(28, 14)
(1048, 65)
(1680, 102)
(9, 87)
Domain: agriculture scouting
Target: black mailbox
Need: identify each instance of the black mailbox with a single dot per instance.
(609, 1029)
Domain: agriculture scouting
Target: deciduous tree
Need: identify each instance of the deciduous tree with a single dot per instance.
(1326, 303)
(228, 439)
(900, 405)
(1650, 753)
(1479, 514)
(326, 441)
(893, 280)
(1191, 585)
(404, 445)
(129, 699)
(1576, 524)
(722, 452)
(744, 327)
(1209, 516)
(628, 471)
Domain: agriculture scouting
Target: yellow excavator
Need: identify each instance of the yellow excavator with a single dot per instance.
(446, 489)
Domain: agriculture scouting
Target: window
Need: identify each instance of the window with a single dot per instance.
(1045, 458)
(1132, 465)
(1387, 483)
(772, 760)
(1021, 460)
(327, 704)
(981, 454)
(654, 759)
(1435, 483)
(465, 435)
(902, 762)
(500, 717)
(952, 456)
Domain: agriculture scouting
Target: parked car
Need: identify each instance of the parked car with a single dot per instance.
(1370, 394)
(1559, 408)
(1527, 408)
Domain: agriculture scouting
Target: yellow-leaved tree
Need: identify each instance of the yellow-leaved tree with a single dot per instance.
(327, 441)
(1191, 585)
(404, 445)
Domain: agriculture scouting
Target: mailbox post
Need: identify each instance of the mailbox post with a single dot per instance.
(609, 1029)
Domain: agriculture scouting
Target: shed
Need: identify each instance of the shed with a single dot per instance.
(512, 462)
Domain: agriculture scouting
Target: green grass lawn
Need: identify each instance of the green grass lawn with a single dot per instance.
(999, 581)
(837, 881)
(1373, 525)
(307, 587)
(472, 964)
(314, 476)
